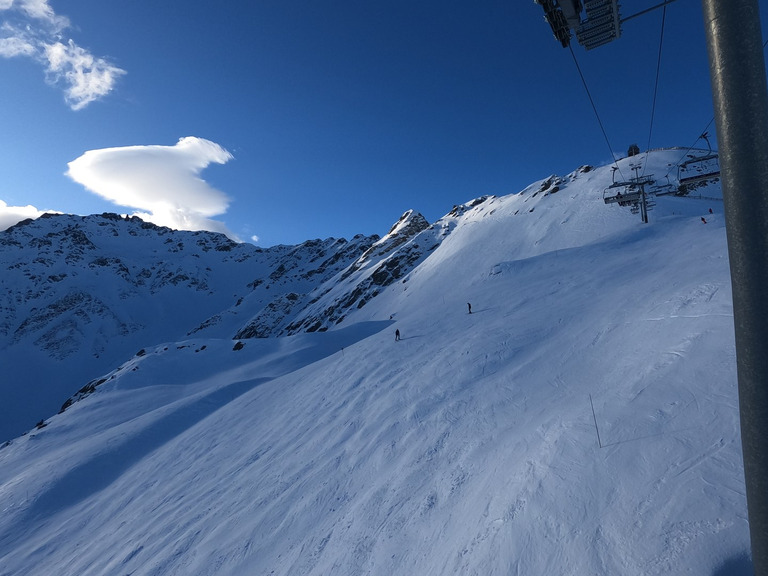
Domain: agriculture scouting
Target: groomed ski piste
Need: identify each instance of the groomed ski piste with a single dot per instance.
(468, 447)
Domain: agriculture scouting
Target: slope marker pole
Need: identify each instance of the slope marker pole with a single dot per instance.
(599, 442)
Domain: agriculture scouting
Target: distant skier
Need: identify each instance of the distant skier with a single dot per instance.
(397, 335)
(703, 220)
(469, 307)
(710, 211)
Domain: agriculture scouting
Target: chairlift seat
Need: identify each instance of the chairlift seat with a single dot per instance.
(698, 169)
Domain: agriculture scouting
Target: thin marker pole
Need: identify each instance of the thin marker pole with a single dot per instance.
(599, 443)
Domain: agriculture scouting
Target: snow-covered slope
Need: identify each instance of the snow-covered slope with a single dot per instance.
(468, 447)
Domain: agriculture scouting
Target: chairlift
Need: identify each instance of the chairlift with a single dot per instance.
(630, 194)
(664, 189)
(601, 23)
(622, 193)
(626, 193)
(698, 170)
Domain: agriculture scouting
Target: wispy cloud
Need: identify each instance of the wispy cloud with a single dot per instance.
(86, 78)
(30, 28)
(10, 215)
(15, 45)
(162, 183)
(40, 10)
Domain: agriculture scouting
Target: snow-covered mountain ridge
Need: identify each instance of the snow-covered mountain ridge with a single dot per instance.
(79, 294)
(468, 447)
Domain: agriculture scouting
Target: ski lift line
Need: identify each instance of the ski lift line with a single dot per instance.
(696, 159)
(656, 83)
(676, 165)
(594, 108)
(663, 4)
(697, 170)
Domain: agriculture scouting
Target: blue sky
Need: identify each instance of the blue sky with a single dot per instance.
(307, 119)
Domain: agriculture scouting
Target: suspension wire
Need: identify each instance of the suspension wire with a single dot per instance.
(655, 87)
(594, 108)
(677, 164)
(664, 4)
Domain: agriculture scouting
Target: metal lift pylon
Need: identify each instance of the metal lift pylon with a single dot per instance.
(740, 94)
(631, 193)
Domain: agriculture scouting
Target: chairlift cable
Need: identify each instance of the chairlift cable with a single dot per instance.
(594, 108)
(677, 164)
(663, 4)
(656, 85)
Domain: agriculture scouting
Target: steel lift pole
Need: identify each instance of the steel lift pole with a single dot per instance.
(737, 71)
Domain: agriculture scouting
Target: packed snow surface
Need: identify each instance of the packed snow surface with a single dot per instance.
(581, 420)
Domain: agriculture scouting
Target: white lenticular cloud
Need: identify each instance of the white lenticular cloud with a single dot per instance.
(161, 183)
(10, 215)
(31, 28)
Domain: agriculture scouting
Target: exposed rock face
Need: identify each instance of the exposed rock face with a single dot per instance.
(58, 326)
(274, 299)
(271, 317)
(57, 268)
(68, 280)
(345, 276)
(407, 227)
(389, 260)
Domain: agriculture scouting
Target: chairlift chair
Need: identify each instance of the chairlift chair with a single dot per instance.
(621, 193)
(601, 23)
(698, 169)
(664, 189)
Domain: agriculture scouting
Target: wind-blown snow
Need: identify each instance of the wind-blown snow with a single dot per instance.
(468, 447)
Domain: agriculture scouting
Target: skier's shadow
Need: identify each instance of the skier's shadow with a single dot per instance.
(480, 311)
